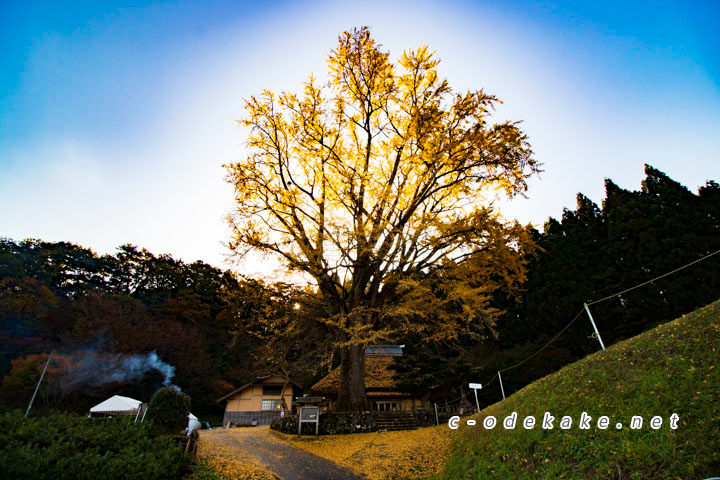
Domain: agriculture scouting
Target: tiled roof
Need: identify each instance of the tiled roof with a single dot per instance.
(257, 380)
(377, 376)
(387, 394)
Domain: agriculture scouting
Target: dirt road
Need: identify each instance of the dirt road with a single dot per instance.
(256, 450)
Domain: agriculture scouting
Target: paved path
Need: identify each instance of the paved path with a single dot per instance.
(286, 461)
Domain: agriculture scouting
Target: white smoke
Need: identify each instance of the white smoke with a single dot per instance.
(135, 366)
(90, 367)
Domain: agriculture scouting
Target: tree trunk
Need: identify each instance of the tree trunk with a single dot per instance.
(285, 406)
(351, 397)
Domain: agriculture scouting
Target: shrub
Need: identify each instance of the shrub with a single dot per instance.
(168, 409)
(61, 447)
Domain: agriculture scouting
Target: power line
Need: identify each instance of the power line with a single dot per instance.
(491, 380)
(547, 344)
(654, 279)
(598, 301)
(592, 303)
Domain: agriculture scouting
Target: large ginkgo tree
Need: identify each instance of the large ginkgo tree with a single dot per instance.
(374, 184)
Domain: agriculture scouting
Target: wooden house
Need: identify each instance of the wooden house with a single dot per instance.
(260, 401)
(379, 385)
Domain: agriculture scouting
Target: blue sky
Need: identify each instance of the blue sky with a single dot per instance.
(116, 117)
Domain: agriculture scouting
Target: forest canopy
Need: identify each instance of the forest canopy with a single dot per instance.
(220, 330)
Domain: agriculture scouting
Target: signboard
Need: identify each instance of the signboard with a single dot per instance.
(309, 415)
(475, 385)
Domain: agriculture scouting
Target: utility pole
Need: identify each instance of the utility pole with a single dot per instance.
(37, 387)
(587, 309)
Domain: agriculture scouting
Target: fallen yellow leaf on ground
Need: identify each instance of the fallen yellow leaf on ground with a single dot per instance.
(231, 462)
(410, 454)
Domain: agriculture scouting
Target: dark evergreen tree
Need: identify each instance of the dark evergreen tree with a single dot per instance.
(593, 253)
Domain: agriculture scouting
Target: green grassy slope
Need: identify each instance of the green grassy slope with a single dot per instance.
(670, 369)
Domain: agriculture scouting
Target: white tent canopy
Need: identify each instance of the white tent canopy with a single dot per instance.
(117, 405)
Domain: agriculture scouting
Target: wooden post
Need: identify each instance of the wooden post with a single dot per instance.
(138, 412)
(476, 387)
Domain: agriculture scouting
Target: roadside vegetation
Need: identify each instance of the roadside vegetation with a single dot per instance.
(670, 369)
(58, 447)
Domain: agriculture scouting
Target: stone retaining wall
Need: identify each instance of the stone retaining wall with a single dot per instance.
(331, 423)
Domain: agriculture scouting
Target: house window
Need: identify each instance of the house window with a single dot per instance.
(386, 406)
(272, 390)
(271, 405)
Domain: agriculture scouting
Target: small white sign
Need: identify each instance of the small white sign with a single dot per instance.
(475, 385)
